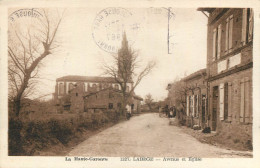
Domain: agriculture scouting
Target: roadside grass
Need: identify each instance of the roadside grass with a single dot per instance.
(55, 135)
(229, 140)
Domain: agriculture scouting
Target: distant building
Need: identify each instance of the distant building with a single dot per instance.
(229, 69)
(79, 93)
(89, 84)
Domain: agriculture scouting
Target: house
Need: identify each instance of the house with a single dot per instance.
(189, 96)
(110, 98)
(229, 69)
(76, 94)
(196, 98)
(78, 86)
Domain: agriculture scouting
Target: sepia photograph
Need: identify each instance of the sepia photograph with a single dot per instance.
(136, 84)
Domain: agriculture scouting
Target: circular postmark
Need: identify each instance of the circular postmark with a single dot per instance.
(23, 13)
(109, 26)
(24, 19)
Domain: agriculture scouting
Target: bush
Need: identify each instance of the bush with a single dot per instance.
(61, 129)
(28, 137)
(14, 137)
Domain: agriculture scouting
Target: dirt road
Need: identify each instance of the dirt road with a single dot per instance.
(148, 135)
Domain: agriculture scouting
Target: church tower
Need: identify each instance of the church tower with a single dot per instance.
(125, 60)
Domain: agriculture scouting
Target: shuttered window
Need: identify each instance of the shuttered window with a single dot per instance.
(251, 24)
(247, 26)
(214, 44)
(221, 101)
(219, 41)
(244, 27)
(226, 103)
(229, 33)
(229, 101)
(193, 104)
(245, 111)
(187, 108)
(242, 100)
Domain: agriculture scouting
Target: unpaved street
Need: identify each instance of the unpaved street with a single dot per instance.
(148, 135)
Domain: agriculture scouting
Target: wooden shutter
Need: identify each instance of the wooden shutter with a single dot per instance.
(230, 33)
(221, 101)
(193, 105)
(251, 24)
(219, 41)
(227, 31)
(242, 100)
(244, 25)
(214, 44)
(188, 106)
(226, 103)
(229, 101)
(197, 106)
(247, 100)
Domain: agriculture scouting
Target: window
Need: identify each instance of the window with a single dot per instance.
(221, 101)
(77, 94)
(245, 110)
(110, 105)
(66, 107)
(188, 105)
(217, 32)
(224, 100)
(94, 86)
(247, 26)
(71, 86)
(61, 89)
(196, 105)
(229, 33)
(191, 106)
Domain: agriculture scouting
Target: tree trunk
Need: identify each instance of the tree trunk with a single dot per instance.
(17, 106)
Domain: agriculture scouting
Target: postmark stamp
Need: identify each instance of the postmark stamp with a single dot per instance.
(109, 26)
(24, 13)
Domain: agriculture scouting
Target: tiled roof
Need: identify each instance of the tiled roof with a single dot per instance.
(85, 78)
(195, 74)
(206, 9)
(138, 97)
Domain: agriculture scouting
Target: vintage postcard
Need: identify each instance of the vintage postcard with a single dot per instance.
(129, 84)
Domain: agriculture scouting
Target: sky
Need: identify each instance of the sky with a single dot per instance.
(146, 30)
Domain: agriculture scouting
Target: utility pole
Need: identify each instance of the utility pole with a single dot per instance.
(168, 35)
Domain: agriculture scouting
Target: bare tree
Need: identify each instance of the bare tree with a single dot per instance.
(27, 47)
(149, 101)
(124, 70)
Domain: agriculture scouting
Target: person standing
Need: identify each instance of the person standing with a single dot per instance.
(128, 111)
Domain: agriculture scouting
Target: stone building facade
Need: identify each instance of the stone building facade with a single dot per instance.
(229, 69)
(109, 98)
(76, 94)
